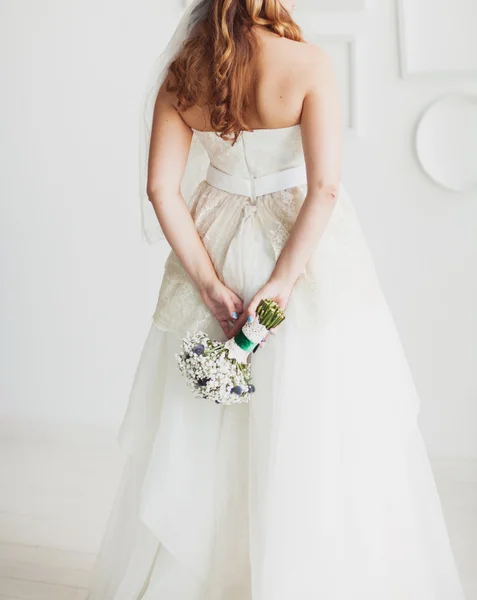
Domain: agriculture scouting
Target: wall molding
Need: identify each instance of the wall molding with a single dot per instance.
(354, 47)
(405, 60)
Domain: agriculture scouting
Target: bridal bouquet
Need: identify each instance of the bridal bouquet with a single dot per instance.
(220, 371)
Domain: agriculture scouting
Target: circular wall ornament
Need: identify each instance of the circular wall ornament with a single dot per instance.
(446, 142)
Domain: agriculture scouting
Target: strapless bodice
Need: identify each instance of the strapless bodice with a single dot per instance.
(256, 153)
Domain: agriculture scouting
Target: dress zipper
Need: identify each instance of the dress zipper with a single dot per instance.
(251, 177)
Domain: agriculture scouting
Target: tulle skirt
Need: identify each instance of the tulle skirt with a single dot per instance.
(320, 488)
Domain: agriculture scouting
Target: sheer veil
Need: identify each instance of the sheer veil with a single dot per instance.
(198, 161)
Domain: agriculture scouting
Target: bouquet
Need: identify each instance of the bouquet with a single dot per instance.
(221, 371)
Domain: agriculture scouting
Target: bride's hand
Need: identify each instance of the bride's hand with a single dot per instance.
(274, 289)
(224, 304)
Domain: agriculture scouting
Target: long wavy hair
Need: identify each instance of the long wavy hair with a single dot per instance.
(214, 71)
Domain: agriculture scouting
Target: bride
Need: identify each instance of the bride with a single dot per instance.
(320, 488)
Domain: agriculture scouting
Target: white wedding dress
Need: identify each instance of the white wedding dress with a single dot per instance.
(320, 488)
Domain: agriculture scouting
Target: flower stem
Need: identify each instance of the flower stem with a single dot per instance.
(270, 314)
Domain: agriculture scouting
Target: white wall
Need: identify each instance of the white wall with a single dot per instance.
(78, 284)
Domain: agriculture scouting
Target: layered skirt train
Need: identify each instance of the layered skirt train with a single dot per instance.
(321, 487)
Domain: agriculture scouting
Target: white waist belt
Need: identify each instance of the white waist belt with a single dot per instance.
(257, 186)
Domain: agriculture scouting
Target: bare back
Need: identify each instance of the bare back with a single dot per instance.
(282, 74)
(294, 84)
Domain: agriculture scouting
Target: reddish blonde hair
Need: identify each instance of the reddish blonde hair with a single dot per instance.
(214, 68)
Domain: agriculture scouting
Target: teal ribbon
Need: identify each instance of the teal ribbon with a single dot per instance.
(243, 342)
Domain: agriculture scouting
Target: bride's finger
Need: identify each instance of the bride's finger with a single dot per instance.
(252, 307)
(225, 325)
(233, 309)
(249, 315)
(239, 323)
(235, 302)
(238, 304)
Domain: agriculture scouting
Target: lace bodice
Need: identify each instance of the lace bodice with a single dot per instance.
(256, 153)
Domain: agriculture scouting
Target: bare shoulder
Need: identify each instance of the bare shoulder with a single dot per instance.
(304, 62)
(317, 66)
(315, 54)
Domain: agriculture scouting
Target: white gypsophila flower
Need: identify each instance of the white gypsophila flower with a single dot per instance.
(211, 374)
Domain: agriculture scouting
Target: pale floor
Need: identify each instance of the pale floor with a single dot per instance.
(35, 573)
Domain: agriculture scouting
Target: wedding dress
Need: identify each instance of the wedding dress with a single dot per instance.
(320, 488)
